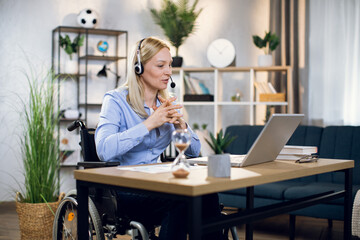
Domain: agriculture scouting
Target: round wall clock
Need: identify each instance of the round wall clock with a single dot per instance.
(221, 53)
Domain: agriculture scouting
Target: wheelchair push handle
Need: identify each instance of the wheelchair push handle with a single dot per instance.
(75, 124)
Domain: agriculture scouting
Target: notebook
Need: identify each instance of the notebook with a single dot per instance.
(267, 146)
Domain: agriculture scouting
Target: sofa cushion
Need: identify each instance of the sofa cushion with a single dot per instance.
(270, 190)
(340, 142)
(245, 137)
(316, 188)
(306, 136)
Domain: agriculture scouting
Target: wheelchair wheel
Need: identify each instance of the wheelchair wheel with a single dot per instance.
(65, 222)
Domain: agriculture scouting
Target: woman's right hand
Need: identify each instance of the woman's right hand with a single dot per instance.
(165, 113)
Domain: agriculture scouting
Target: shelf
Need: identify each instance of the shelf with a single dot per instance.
(94, 31)
(233, 103)
(70, 119)
(69, 75)
(90, 104)
(198, 103)
(117, 56)
(271, 103)
(222, 108)
(230, 103)
(101, 58)
(232, 69)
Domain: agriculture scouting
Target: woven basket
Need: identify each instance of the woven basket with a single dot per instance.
(36, 219)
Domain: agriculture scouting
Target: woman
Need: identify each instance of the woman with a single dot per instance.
(135, 127)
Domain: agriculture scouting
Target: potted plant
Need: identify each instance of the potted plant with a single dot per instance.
(178, 22)
(38, 199)
(269, 43)
(71, 47)
(219, 164)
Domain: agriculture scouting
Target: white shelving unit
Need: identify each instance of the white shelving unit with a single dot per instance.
(220, 97)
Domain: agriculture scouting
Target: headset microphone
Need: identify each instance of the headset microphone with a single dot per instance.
(172, 84)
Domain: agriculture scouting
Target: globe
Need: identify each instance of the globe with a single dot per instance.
(102, 46)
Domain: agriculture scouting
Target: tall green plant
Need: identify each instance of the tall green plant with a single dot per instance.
(221, 142)
(39, 145)
(177, 20)
(269, 42)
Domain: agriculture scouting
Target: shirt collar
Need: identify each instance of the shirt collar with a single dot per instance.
(158, 103)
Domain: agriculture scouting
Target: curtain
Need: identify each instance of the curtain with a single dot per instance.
(334, 62)
(288, 21)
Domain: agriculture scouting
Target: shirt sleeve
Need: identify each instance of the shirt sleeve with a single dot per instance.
(195, 145)
(110, 140)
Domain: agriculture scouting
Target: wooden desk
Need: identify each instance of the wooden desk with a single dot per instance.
(197, 184)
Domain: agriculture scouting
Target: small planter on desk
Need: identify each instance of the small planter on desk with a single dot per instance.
(219, 166)
(198, 98)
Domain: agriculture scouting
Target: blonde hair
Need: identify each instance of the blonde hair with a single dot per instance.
(149, 47)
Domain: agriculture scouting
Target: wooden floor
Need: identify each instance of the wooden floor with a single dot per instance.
(275, 228)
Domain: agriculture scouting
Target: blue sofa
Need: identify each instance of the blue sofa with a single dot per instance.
(338, 142)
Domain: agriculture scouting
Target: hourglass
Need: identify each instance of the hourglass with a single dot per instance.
(181, 139)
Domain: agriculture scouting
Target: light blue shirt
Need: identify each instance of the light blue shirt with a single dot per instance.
(122, 136)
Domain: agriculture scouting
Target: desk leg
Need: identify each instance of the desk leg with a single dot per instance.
(195, 219)
(347, 204)
(249, 205)
(82, 219)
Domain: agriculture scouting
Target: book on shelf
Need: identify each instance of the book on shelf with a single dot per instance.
(264, 87)
(188, 87)
(195, 86)
(272, 89)
(299, 150)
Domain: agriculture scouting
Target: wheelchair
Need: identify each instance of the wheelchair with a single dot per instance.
(105, 218)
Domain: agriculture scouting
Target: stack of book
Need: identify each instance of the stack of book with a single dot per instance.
(196, 90)
(290, 152)
(267, 92)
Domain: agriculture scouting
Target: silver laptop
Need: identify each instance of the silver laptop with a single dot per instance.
(267, 146)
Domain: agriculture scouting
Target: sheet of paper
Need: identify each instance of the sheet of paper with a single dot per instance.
(156, 168)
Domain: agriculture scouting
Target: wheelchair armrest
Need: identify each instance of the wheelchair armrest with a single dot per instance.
(97, 164)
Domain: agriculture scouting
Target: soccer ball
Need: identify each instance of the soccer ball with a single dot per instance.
(87, 18)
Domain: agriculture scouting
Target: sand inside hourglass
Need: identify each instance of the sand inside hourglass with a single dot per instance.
(181, 146)
(180, 173)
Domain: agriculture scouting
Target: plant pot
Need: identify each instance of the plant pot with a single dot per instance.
(71, 66)
(36, 219)
(177, 61)
(219, 166)
(265, 60)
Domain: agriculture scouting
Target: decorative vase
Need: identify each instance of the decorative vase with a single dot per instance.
(36, 219)
(219, 166)
(177, 61)
(265, 60)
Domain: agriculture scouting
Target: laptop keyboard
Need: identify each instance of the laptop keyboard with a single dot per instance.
(237, 158)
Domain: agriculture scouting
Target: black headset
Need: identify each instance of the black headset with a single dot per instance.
(139, 68)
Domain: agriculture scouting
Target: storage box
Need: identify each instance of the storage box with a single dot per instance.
(272, 97)
(198, 98)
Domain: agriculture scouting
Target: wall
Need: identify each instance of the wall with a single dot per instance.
(26, 27)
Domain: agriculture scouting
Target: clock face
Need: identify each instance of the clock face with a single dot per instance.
(221, 53)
